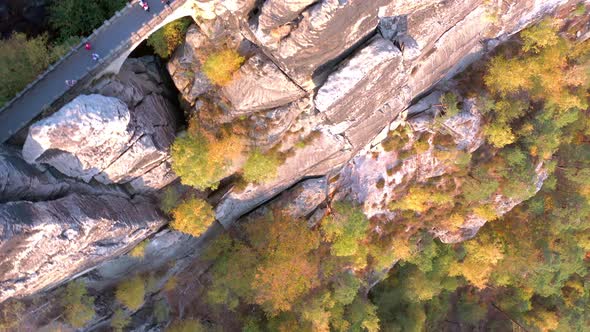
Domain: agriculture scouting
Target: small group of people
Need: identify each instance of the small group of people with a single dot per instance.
(146, 7)
(94, 56)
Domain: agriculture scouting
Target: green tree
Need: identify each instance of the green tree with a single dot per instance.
(260, 168)
(120, 320)
(80, 17)
(169, 37)
(131, 293)
(21, 60)
(78, 306)
(193, 216)
(345, 229)
(201, 161)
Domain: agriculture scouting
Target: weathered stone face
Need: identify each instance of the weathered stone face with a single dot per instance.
(44, 243)
(106, 139)
(320, 66)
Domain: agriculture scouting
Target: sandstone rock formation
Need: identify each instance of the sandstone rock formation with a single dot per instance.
(342, 72)
(42, 243)
(108, 139)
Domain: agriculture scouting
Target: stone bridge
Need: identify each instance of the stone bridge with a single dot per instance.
(113, 41)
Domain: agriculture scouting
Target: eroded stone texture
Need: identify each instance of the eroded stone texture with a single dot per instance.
(43, 243)
(260, 85)
(326, 152)
(106, 139)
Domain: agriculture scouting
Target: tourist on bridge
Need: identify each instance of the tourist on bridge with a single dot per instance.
(144, 5)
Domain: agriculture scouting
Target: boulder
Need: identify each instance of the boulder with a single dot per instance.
(82, 138)
(107, 139)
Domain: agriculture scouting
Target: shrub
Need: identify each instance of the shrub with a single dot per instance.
(78, 306)
(139, 250)
(261, 167)
(345, 229)
(539, 36)
(193, 217)
(201, 161)
(450, 104)
(131, 293)
(11, 314)
(187, 325)
(161, 311)
(219, 67)
(169, 37)
(420, 200)
(169, 200)
(120, 320)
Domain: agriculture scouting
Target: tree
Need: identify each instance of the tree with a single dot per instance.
(187, 325)
(79, 17)
(539, 37)
(345, 229)
(131, 293)
(201, 161)
(21, 60)
(219, 67)
(193, 216)
(169, 37)
(78, 306)
(139, 250)
(260, 168)
(120, 320)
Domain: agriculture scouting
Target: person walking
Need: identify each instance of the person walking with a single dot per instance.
(87, 46)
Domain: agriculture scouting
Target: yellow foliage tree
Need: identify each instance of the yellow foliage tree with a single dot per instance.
(220, 67)
(131, 293)
(78, 306)
(193, 217)
(480, 259)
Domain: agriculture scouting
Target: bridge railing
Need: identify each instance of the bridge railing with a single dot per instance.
(104, 61)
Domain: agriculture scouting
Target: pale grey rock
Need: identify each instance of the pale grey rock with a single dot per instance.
(43, 243)
(184, 66)
(275, 13)
(82, 138)
(260, 85)
(157, 177)
(265, 129)
(137, 78)
(21, 181)
(101, 138)
(328, 29)
(340, 98)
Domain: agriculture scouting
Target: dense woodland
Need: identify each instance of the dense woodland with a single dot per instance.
(528, 270)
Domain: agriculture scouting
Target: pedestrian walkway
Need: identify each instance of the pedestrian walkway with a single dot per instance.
(17, 114)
